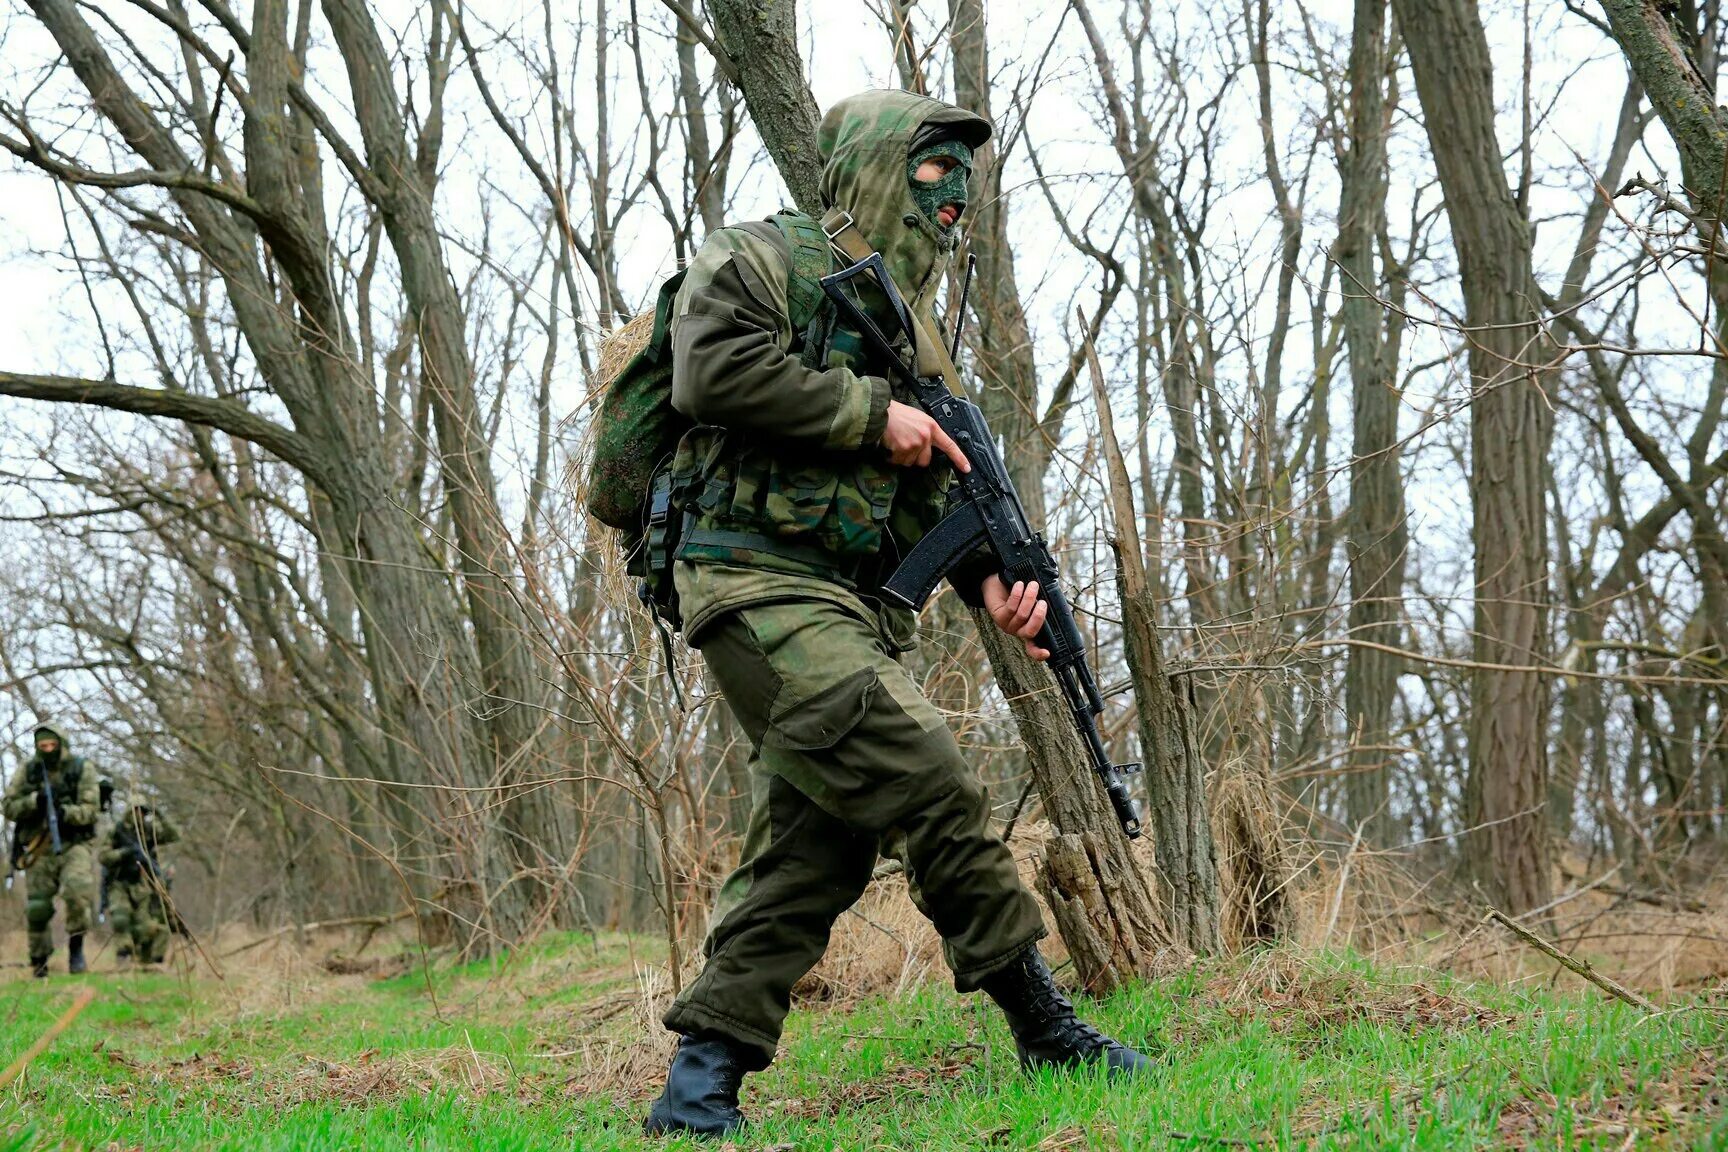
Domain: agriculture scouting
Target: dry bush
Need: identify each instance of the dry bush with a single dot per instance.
(616, 1043)
(1256, 870)
(1654, 949)
(884, 946)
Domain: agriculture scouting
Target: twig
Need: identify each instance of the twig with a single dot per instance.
(1580, 967)
(1657, 899)
(373, 922)
(80, 1002)
(1343, 879)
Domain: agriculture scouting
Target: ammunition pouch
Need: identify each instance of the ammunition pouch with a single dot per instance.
(655, 555)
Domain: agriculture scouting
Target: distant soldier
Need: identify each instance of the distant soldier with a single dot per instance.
(138, 880)
(116, 903)
(53, 801)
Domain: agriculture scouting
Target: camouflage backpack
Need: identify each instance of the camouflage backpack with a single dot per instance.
(638, 430)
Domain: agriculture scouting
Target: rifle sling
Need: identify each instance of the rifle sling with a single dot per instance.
(932, 352)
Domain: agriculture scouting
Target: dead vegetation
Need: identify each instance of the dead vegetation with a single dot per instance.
(902, 1080)
(1296, 993)
(368, 1078)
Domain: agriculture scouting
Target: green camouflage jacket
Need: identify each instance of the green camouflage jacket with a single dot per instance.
(75, 787)
(787, 445)
(130, 829)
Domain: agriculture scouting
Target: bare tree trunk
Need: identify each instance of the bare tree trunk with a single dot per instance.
(1378, 536)
(761, 39)
(421, 660)
(1511, 427)
(710, 193)
(516, 699)
(1007, 372)
(1179, 815)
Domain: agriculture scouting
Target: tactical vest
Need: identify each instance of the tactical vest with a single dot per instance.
(755, 504)
(71, 775)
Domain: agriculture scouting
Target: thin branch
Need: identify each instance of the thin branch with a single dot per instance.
(223, 415)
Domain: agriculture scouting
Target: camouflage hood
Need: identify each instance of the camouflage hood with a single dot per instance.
(865, 143)
(50, 730)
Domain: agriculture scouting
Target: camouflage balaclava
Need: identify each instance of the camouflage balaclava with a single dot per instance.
(52, 733)
(867, 143)
(950, 188)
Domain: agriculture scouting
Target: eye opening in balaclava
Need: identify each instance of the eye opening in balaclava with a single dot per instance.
(950, 189)
(44, 732)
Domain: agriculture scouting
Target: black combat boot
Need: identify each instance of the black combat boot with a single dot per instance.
(1046, 1030)
(701, 1095)
(75, 953)
(39, 966)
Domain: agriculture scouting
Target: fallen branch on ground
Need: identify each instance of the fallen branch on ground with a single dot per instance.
(1581, 967)
(372, 922)
(79, 1002)
(1658, 899)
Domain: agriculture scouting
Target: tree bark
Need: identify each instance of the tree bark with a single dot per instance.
(1511, 428)
(1007, 373)
(1378, 535)
(1179, 814)
(760, 38)
(516, 701)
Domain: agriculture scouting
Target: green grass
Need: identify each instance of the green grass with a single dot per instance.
(1274, 1052)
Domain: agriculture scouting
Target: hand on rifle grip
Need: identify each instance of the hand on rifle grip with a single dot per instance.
(912, 436)
(1018, 611)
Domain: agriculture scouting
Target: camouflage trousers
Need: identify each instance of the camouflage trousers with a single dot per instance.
(72, 877)
(148, 919)
(847, 753)
(120, 913)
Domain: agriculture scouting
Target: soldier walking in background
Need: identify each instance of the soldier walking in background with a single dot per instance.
(116, 901)
(53, 801)
(139, 883)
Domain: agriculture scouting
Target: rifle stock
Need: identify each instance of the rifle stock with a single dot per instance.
(986, 512)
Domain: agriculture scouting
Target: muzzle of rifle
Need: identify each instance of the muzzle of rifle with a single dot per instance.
(1127, 808)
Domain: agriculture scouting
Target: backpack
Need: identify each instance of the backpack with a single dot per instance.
(638, 430)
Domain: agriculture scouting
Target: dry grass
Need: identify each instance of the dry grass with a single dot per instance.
(617, 348)
(613, 1044)
(1300, 993)
(902, 1081)
(1258, 898)
(370, 1077)
(620, 346)
(1657, 942)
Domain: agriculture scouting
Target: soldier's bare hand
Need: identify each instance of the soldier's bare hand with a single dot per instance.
(912, 436)
(1018, 611)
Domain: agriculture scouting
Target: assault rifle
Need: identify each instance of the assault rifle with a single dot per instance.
(52, 814)
(138, 863)
(985, 511)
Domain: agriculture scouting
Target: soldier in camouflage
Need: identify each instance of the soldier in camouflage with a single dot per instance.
(69, 873)
(115, 905)
(133, 858)
(804, 481)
